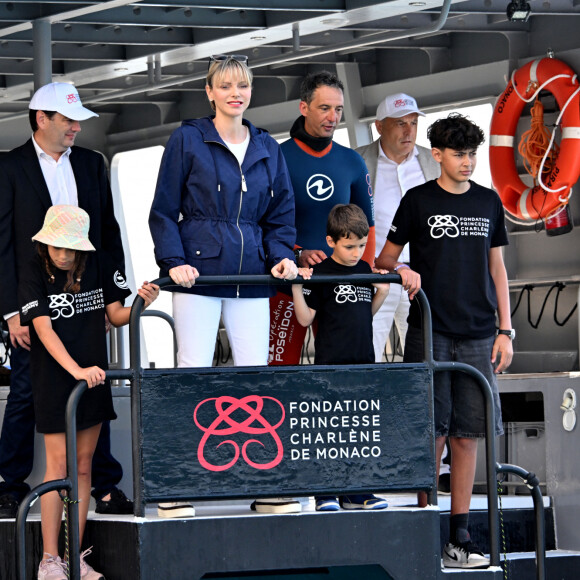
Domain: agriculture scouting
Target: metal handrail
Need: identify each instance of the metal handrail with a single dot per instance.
(71, 482)
(532, 481)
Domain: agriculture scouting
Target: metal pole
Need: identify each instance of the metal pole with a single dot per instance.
(42, 52)
(74, 562)
(135, 362)
(427, 336)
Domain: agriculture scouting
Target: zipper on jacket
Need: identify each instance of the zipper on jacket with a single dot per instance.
(244, 188)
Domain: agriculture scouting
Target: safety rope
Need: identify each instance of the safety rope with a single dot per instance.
(396, 346)
(527, 289)
(66, 500)
(502, 531)
(531, 84)
(534, 143)
(556, 125)
(220, 353)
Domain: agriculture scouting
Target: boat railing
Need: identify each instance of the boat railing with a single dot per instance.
(137, 376)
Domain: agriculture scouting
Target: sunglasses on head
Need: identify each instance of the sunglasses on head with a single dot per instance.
(222, 57)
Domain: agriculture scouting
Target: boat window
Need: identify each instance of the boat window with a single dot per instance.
(133, 179)
(481, 116)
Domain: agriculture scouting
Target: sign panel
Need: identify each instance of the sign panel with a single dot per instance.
(253, 432)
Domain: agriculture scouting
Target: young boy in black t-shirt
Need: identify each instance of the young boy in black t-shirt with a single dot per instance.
(455, 229)
(344, 313)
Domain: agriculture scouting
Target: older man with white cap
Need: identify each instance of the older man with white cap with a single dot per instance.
(395, 165)
(48, 170)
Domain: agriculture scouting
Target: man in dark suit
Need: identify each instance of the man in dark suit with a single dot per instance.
(45, 171)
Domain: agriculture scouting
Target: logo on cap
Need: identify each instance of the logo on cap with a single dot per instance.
(402, 103)
(72, 98)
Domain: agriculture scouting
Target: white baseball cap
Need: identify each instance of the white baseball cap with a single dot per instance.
(397, 105)
(62, 98)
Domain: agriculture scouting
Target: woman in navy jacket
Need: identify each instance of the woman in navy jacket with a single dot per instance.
(223, 205)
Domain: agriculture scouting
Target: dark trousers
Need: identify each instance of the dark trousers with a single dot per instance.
(17, 438)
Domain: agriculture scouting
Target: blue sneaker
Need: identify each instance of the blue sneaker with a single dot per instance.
(326, 503)
(362, 502)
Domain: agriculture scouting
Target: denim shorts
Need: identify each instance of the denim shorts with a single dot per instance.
(459, 403)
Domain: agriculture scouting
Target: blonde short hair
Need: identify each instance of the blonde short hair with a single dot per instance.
(220, 68)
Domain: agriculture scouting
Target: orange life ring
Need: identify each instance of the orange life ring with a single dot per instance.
(532, 203)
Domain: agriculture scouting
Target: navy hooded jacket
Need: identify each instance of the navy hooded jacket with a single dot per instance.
(218, 217)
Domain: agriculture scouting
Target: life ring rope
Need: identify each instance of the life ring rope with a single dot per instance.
(575, 129)
(574, 79)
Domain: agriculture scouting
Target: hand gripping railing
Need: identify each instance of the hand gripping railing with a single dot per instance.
(71, 484)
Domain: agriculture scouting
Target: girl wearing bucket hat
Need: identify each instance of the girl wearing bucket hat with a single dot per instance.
(64, 294)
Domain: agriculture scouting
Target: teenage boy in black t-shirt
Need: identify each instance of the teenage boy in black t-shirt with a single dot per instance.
(344, 313)
(455, 229)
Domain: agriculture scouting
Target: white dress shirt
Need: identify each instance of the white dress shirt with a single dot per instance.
(59, 176)
(393, 180)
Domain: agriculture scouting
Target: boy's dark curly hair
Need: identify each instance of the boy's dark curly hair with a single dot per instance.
(456, 132)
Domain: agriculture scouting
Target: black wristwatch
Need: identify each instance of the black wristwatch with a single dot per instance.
(511, 333)
(297, 254)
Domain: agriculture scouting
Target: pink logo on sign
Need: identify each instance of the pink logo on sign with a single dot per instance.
(225, 425)
(72, 98)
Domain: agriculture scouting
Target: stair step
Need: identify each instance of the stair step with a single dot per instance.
(491, 573)
(560, 565)
(518, 527)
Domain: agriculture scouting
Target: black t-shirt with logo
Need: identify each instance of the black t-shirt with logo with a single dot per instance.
(450, 237)
(79, 321)
(344, 315)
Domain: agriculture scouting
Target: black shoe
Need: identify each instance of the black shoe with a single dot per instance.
(444, 484)
(118, 504)
(8, 506)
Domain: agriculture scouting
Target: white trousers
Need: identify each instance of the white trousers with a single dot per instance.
(247, 323)
(395, 307)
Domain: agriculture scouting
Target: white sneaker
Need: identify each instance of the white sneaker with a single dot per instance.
(87, 572)
(52, 568)
(277, 505)
(175, 509)
(464, 555)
